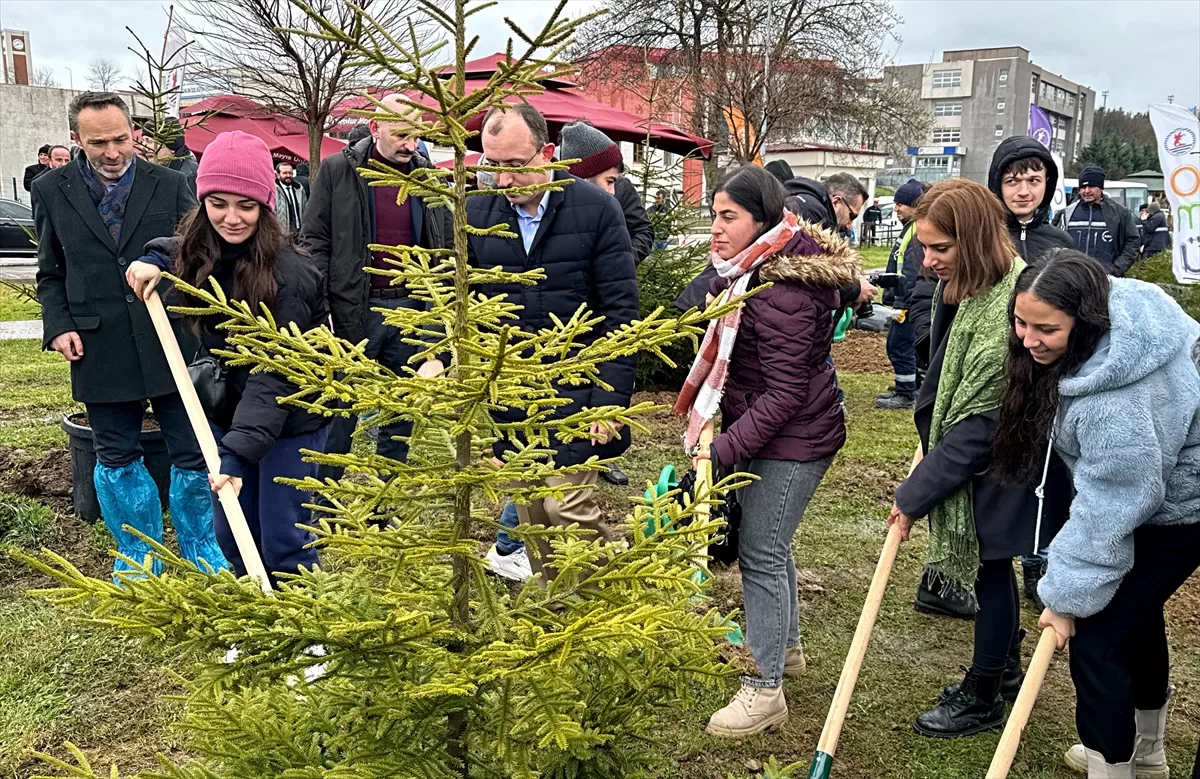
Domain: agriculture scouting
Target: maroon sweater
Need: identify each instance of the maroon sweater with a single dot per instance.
(393, 227)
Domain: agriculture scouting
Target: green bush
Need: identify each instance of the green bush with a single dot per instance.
(24, 522)
(1157, 269)
(661, 278)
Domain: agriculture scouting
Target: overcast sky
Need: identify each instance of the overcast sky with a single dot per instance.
(1140, 51)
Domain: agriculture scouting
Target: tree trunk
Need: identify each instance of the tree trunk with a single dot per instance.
(315, 136)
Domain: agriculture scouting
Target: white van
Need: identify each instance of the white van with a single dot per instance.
(889, 228)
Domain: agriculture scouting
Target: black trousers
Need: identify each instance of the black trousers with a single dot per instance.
(1119, 659)
(998, 618)
(117, 430)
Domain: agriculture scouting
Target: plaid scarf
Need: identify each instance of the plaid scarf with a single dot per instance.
(110, 200)
(700, 397)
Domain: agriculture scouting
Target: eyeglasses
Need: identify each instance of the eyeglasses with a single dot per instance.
(487, 179)
(853, 213)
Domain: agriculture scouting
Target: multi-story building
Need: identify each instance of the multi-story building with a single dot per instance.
(978, 97)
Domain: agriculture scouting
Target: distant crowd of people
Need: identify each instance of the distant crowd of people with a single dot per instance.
(1057, 405)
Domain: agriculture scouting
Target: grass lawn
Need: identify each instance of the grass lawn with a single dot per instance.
(14, 307)
(60, 680)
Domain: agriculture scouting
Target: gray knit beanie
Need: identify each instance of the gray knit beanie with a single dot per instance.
(595, 151)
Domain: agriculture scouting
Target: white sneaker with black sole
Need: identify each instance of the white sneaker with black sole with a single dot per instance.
(513, 566)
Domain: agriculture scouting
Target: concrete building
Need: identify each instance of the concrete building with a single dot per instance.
(34, 116)
(820, 161)
(978, 97)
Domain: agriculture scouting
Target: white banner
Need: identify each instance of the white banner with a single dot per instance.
(1177, 132)
(176, 59)
(1060, 194)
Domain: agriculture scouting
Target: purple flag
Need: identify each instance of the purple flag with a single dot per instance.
(1039, 126)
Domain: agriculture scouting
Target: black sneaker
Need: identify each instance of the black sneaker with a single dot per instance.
(976, 707)
(1031, 575)
(891, 393)
(615, 475)
(896, 402)
(1010, 681)
(954, 603)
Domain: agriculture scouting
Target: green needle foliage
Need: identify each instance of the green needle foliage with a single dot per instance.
(431, 667)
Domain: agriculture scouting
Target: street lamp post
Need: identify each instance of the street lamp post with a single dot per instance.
(71, 79)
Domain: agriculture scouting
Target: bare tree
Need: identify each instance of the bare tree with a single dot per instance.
(44, 77)
(266, 48)
(103, 74)
(809, 70)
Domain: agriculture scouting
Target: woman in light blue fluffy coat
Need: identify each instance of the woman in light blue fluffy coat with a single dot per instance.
(1102, 370)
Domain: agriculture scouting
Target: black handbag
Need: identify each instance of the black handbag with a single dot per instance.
(724, 548)
(208, 377)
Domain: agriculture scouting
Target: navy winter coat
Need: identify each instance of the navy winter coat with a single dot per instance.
(583, 248)
(781, 398)
(1155, 236)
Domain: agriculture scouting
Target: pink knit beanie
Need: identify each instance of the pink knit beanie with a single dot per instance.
(240, 164)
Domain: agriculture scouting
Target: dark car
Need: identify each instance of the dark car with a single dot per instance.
(16, 230)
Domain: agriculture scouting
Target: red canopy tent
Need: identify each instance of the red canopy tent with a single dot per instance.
(562, 104)
(285, 137)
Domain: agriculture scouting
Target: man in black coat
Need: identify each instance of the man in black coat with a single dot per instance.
(93, 217)
(1099, 226)
(342, 218)
(38, 168)
(1155, 235)
(1024, 176)
(578, 238)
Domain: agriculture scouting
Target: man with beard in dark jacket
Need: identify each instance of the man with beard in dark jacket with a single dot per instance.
(343, 216)
(1099, 226)
(577, 237)
(1024, 176)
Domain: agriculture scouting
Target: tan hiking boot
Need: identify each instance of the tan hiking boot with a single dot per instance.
(1149, 757)
(793, 661)
(752, 710)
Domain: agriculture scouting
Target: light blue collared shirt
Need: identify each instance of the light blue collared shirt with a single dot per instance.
(529, 224)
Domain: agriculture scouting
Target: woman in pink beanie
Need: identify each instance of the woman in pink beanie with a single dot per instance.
(234, 239)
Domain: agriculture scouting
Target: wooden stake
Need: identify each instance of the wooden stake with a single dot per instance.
(208, 444)
(823, 760)
(1006, 750)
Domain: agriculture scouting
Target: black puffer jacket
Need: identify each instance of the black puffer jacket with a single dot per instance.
(339, 222)
(1155, 236)
(583, 248)
(1035, 237)
(255, 419)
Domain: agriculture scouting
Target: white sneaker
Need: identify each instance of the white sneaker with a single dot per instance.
(513, 566)
(752, 710)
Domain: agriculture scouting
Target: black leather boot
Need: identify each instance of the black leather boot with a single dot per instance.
(1032, 574)
(976, 707)
(1010, 680)
(954, 603)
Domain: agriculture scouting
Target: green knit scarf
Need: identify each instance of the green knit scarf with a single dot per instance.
(971, 382)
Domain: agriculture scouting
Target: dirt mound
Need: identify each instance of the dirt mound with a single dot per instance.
(862, 352)
(48, 476)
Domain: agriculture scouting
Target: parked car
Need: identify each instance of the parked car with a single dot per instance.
(16, 230)
(889, 228)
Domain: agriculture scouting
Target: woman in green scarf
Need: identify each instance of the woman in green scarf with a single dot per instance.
(977, 525)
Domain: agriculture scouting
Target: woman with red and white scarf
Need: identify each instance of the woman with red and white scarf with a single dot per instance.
(766, 367)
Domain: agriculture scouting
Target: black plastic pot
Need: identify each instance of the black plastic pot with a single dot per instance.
(83, 464)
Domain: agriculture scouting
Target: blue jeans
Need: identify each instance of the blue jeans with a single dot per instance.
(902, 354)
(506, 544)
(385, 345)
(772, 508)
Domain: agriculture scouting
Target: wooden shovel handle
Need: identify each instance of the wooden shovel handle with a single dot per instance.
(1006, 750)
(208, 444)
